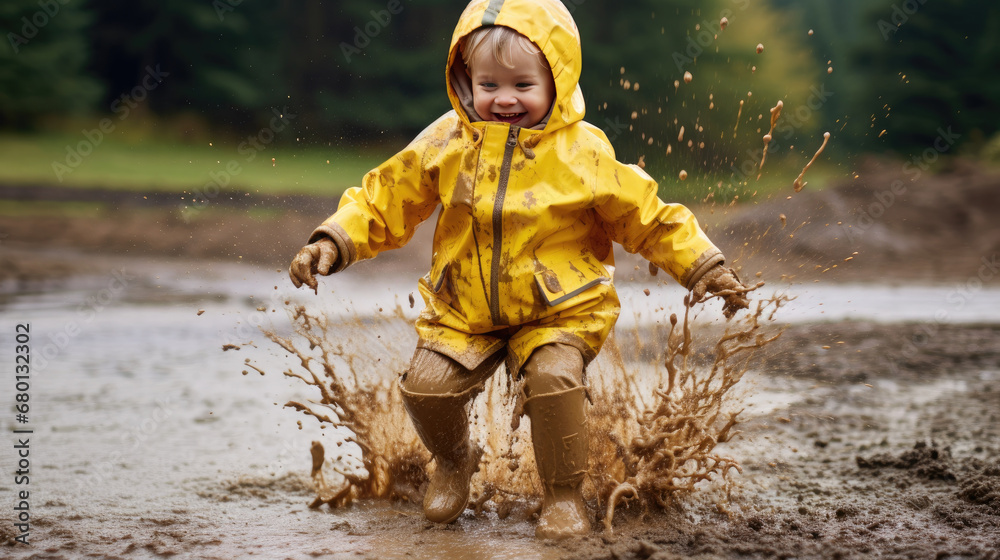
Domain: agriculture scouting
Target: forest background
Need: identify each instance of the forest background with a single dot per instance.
(142, 94)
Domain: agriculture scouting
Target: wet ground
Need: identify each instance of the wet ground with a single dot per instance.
(871, 428)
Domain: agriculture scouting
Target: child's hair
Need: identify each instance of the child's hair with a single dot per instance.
(501, 40)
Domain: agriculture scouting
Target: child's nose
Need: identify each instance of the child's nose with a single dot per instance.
(505, 100)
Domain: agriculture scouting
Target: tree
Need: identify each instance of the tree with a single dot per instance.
(834, 31)
(928, 70)
(363, 69)
(636, 55)
(43, 63)
(221, 55)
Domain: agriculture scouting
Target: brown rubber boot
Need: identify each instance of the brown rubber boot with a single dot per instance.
(442, 422)
(559, 436)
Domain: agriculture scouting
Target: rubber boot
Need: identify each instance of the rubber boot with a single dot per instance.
(559, 436)
(442, 422)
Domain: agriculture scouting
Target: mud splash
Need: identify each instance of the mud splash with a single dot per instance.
(775, 115)
(366, 406)
(673, 449)
(799, 184)
(655, 453)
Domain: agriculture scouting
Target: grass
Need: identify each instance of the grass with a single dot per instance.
(723, 187)
(118, 163)
(142, 163)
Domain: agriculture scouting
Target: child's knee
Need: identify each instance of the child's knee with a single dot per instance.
(430, 373)
(553, 368)
(433, 373)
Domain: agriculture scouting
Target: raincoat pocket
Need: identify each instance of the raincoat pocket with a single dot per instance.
(558, 283)
(437, 278)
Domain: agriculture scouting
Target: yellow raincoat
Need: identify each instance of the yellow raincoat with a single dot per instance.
(522, 250)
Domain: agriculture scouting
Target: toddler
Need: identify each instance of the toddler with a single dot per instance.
(531, 198)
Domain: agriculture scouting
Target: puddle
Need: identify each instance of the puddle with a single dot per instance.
(141, 422)
(844, 302)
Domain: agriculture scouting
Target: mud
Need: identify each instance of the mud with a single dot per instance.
(880, 225)
(845, 472)
(654, 450)
(858, 438)
(799, 184)
(738, 115)
(775, 115)
(880, 452)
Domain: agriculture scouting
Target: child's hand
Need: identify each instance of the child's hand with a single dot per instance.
(722, 282)
(314, 258)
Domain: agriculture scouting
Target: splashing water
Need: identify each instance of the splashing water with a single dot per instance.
(775, 115)
(657, 452)
(673, 447)
(362, 402)
(798, 184)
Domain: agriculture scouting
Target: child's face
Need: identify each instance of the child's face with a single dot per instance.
(521, 95)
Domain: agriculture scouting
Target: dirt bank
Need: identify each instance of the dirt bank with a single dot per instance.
(890, 222)
(45, 247)
(885, 224)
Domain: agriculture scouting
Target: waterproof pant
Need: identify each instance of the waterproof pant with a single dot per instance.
(552, 368)
(437, 392)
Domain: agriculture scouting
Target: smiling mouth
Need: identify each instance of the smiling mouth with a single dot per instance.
(508, 117)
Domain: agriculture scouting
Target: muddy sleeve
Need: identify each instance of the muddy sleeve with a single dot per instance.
(383, 212)
(668, 235)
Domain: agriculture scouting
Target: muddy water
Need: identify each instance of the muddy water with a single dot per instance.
(148, 440)
(943, 304)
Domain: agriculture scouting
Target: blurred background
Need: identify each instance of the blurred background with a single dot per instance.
(266, 110)
(161, 162)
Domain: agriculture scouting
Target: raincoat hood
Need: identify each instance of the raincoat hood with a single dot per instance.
(550, 26)
(522, 252)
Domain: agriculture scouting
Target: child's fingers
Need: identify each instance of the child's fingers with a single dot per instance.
(293, 273)
(698, 292)
(300, 270)
(326, 258)
(735, 302)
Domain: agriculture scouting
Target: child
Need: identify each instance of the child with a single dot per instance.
(531, 198)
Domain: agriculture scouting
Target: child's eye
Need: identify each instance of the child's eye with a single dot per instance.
(524, 85)
(488, 85)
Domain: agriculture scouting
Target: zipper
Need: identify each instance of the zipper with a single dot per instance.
(508, 154)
